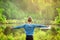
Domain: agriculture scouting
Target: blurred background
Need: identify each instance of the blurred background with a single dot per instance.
(16, 12)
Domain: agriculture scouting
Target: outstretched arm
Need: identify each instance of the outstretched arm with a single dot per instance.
(40, 26)
(48, 27)
(17, 27)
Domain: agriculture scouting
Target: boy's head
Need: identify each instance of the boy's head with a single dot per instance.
(29, 19)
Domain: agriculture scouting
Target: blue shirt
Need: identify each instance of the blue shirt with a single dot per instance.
(29, 28)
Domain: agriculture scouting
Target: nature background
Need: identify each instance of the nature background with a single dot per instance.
(16, 12)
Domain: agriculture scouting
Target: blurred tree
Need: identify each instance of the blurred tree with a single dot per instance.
(2, 17)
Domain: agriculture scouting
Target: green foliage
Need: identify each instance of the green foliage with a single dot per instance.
(58, 17)
(2, 17)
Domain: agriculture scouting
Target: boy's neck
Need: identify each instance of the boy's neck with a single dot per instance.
(29, 22)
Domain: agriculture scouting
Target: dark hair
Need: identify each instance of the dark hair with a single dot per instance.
(29, 19)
